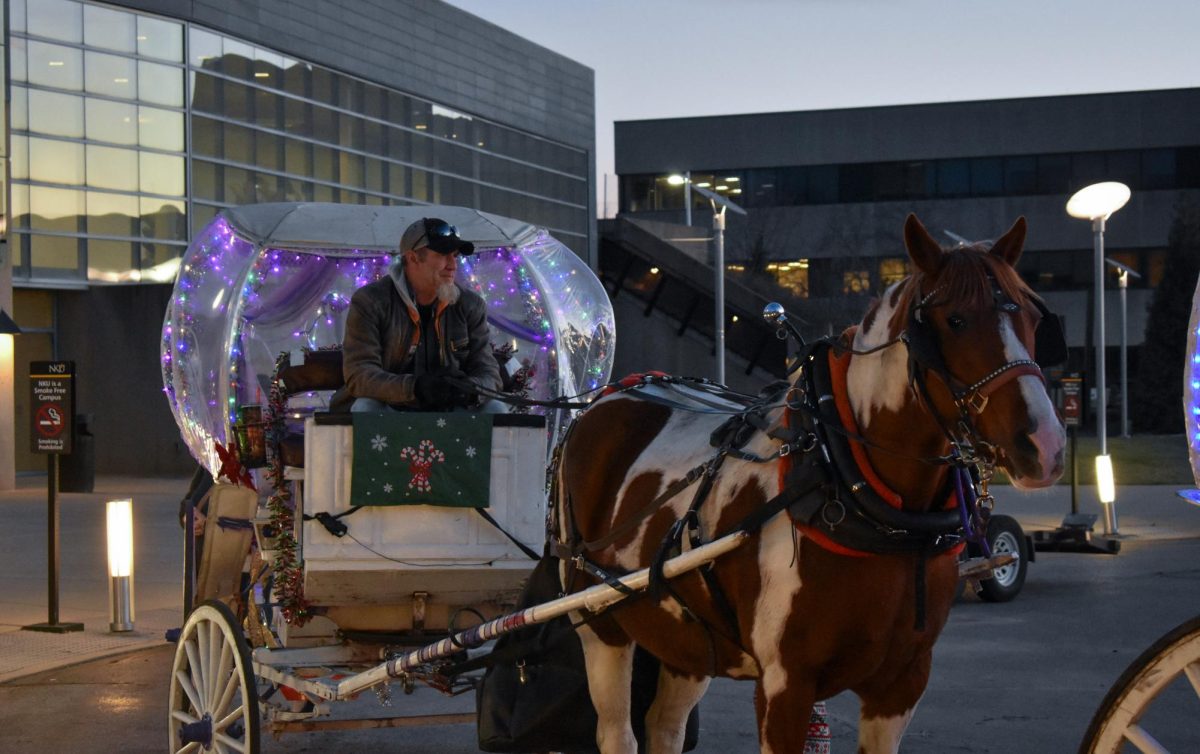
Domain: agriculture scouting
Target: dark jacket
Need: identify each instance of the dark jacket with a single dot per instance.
(382, 328)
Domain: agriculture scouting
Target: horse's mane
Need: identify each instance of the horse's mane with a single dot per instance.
(964, 280)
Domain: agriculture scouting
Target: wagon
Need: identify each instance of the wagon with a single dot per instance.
(315, 586)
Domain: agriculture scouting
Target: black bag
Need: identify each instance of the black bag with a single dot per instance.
(534, 696)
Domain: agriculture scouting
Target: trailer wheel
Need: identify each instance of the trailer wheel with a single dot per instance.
(1004, 535)
(213, 702)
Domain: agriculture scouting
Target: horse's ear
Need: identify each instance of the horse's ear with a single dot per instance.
(1009, 246)
(925, 252)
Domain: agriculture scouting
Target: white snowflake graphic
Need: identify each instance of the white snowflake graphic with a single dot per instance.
(378, 442)
(441, 422)
(470, 451)
(387, 487)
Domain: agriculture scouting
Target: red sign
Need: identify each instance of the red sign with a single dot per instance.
(49, 421)
(1072, 401)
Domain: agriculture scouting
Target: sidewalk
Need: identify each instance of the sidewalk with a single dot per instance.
(83, 580)
(1144, 514)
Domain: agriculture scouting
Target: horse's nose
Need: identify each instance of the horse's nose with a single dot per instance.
(1047, 442)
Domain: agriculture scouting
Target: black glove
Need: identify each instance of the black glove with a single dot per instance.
(435, 393)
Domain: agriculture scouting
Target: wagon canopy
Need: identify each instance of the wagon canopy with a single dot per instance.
(269, 279)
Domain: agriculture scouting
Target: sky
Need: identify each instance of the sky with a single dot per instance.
(678, 58)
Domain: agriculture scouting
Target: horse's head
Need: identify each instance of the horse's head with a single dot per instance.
(970, 324)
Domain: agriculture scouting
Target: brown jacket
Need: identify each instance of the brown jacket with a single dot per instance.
(382, 328)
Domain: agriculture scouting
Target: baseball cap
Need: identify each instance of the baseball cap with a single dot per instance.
(435, 234)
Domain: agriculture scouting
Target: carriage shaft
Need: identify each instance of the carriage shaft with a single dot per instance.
(593, 599)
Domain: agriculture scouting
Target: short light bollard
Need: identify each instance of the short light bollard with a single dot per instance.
(120, 565)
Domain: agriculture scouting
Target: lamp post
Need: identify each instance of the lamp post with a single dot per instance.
(1123, 274)
(719, 205)
(684, 180)
(1097, 203)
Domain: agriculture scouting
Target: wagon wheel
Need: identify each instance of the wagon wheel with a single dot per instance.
(213, 704)
(1005, 536)
(1120, 719)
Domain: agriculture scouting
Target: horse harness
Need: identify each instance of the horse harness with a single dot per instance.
(825, 488)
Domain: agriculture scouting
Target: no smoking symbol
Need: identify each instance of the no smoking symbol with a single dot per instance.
(49, 420)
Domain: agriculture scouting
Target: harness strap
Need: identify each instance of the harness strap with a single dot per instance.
(523, 547)
(643, 513)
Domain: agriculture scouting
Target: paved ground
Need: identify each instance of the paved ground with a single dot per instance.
(1021, 677)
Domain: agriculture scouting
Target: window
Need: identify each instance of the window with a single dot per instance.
(110, 75)
(953, 177)
(56, 162)
(111, 214)
(55, 19)
(114, 122)
(108, 29)
(55, 114)
(55, 66)
(892, 270)
(856, 282)
(791, 275)
(112, 168)
(160, 39)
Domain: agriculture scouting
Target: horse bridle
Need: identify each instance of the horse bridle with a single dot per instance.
(925, 356)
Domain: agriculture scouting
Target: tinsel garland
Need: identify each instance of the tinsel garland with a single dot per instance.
(289, 576)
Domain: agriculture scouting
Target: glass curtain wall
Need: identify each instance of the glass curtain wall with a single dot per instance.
(107, 183)
(98, 166)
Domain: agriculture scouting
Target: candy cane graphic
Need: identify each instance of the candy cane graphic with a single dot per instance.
(420, 463)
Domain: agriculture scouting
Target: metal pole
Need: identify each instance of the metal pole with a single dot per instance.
(1110, 509)
(687, 197)
(719, 288)
(1101, 398)
(1124, 284)
(52, 539)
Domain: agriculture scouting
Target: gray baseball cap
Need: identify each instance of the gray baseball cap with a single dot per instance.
(436, 234)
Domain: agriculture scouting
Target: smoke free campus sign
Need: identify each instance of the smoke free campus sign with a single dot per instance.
(52, 406)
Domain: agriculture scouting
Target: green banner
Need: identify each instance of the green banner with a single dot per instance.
(421, 459)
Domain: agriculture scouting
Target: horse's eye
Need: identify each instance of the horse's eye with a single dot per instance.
(956, 322)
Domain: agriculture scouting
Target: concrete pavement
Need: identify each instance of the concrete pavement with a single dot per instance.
(83, 585)
(1145, 513)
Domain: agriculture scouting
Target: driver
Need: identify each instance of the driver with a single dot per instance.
(413, 328)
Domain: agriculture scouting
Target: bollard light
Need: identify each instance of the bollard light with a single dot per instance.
(1106, 489)
(120, 565)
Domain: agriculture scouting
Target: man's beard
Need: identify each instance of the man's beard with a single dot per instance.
(448, 293)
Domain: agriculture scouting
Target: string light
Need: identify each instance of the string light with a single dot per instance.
(238, 304)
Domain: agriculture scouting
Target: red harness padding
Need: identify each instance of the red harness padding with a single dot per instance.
(633, 380)
(838, 367)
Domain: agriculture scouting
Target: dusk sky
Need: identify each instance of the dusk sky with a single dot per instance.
(673, 58)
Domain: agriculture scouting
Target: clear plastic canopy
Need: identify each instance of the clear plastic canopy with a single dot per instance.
(264, 280)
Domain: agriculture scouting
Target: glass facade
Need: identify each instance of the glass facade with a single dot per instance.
(1018, 175)
(131, 131)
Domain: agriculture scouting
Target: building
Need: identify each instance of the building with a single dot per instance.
(130, 124)
(827, 193)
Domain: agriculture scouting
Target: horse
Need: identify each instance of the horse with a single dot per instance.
(939, 371)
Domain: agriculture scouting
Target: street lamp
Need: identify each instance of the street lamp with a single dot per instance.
(1123, 273)
(684, 180)
(1097, 203)
(719, 205)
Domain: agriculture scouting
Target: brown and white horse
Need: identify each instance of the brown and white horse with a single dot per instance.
(802, 617)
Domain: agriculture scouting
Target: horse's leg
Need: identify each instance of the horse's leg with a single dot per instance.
(784, 706)
(667, 717)
(887, 708)
(610, 679)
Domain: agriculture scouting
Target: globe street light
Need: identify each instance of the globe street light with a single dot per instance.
(1097, 203)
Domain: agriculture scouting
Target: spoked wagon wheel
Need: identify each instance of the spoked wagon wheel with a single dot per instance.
(213, 701)
(1130, 709)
